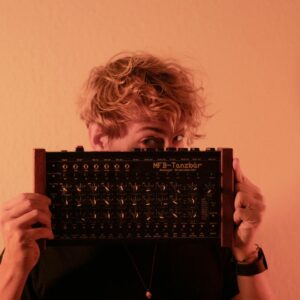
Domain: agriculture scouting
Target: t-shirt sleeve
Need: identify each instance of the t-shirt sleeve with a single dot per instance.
(28, 292)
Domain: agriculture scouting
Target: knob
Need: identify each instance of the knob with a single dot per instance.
(94, 187)
(162, 187)
(78, 188)
(121, 187)
(134, 214)
(64, 189)
(193, 200)
(106, 187)
(135, 187)
(79, 149)
(161, 216)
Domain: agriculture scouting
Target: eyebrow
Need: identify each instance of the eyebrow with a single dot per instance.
(155, 129)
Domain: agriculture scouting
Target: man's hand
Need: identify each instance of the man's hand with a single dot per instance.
(17, 218)
(249, 208)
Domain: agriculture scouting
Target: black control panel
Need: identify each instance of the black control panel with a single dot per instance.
(143, 194)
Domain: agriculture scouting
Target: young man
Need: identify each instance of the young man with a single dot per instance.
(135, 101)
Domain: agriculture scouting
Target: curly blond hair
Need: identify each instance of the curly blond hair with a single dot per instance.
(140, 86)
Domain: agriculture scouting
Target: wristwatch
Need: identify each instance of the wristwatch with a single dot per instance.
(259, 265)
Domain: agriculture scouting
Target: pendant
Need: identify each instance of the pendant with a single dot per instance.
(148, 295)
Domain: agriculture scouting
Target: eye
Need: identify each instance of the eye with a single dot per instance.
(152, 142)
(178, 138)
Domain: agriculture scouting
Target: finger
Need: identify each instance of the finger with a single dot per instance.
(26, 206)
(248, 201)
(31, 218)
(238, 174)
(249, 218)
(252, 190)
(246, 185)
(39, 233)
(27, 237)
(26, 196)
(241, 200)
(237, 217)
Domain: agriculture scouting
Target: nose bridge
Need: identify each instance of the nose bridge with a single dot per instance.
(169, 143)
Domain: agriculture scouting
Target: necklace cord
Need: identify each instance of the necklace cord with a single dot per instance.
(137, 269)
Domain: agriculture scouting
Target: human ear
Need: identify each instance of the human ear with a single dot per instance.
(98, 139)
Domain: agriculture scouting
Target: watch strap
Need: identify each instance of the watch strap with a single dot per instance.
(256, 267)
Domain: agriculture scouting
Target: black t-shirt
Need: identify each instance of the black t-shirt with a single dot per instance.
(182, 270)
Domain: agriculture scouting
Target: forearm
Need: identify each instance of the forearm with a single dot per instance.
(252, 274)
(255, 287)
(17, 219)
(12, 282)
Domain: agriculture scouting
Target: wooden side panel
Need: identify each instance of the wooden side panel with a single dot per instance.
(227, 197)
(40, 180)
(39, 171)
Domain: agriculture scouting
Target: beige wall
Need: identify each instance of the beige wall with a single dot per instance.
(247, 51)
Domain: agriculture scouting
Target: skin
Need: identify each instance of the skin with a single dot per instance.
(19, 214)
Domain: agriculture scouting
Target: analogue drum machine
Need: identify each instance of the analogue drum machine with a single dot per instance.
(142, 194)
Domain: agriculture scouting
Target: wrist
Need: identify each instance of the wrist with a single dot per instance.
(14, 266)
(246, 254)
(15, 270)
(12, 281)
(250, 267)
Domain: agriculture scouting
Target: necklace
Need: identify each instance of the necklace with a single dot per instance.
(148, 293)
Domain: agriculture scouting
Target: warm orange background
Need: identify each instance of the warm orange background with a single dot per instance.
(246, 51)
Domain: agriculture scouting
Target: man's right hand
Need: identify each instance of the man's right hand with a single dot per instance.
(17, 218)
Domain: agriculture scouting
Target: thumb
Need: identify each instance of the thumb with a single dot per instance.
(238, 174)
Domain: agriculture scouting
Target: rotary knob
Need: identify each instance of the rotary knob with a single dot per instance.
(79, 149)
